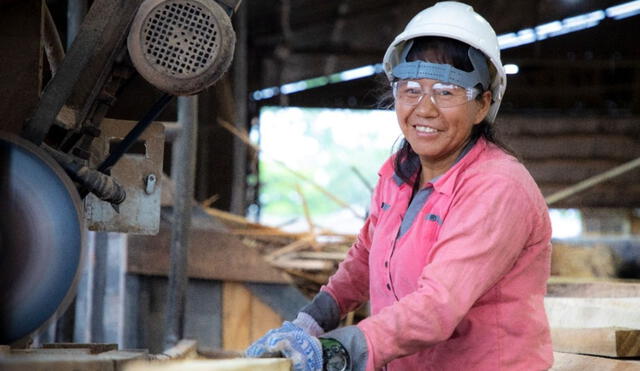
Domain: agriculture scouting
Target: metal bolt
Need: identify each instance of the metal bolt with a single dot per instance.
(150, 183)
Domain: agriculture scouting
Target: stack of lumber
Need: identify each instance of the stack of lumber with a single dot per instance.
(68, 357)
(185, 356)
(309, 258)
(595, 324)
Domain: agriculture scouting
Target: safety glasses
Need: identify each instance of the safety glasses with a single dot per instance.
(410, 92)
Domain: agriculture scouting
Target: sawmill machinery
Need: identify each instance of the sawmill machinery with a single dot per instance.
(68, 168)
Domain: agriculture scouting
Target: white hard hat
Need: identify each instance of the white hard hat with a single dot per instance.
(458, 21)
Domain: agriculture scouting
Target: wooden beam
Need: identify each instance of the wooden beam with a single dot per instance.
(236, 316)
(576, 362)
(609, 342)
(185, 349)
(213, 254)
(593, 312)
(592, 288)
(576, 146)
(238, 364)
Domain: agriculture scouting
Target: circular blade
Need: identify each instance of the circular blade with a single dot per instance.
(41, 239)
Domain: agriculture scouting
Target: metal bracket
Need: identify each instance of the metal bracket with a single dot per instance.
(135, 171)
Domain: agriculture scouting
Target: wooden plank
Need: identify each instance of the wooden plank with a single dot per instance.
(121, 358)
(521, 125)
(592, 288)
(21, 58)
(236, 316)
(237, 364)
(67, 359)
(576, 146)
(213, 254)
(593, 312)
(56, 364)
(609, 342)
(575, 362)
(92, 348)
(185, 349)
(263, 319)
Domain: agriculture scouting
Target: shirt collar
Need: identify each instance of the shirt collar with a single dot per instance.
(447, 181)
(411, 166)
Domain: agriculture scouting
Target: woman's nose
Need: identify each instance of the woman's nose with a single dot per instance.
(427, 106)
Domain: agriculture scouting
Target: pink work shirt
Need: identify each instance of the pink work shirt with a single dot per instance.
(463, 288)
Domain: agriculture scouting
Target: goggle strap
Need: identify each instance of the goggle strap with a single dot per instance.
(444, 72)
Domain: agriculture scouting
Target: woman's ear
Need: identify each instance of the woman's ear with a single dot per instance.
(484, 103)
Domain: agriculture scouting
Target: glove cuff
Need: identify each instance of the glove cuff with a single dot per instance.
(324, 310)
(308, 324)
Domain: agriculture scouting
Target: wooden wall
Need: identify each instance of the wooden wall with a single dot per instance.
(219, 315)
(560, 151)
(245, 317)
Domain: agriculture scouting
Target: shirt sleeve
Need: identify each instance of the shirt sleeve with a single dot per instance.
(487, 228)
(349, 286)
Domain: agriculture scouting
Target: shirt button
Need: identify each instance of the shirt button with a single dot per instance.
(388, 287)
(386, 264)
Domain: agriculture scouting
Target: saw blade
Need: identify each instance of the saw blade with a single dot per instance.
(41, 239)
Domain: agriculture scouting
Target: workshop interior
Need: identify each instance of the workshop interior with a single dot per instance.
(132, 188)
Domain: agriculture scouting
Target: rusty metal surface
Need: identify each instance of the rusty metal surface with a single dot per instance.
(138, 173)
(181, 46)
(41, 239)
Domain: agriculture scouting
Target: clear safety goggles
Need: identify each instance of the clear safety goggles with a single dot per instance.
(442, 95)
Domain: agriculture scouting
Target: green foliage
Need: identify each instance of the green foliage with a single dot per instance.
(330, 166)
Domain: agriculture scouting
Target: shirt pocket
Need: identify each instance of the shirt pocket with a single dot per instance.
(431, 227)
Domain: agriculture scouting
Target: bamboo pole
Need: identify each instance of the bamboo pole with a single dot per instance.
(592, 181)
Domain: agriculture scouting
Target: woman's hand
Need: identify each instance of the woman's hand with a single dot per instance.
(304, 350)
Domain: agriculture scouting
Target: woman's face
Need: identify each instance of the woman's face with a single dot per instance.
(438, 135)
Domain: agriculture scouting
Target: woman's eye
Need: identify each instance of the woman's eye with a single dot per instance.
(443, 92)
(413, 91)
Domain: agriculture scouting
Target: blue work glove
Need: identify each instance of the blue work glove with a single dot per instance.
(305, 351)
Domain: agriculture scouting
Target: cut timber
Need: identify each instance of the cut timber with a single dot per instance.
(212, 255)
(245, 317)
(92, 348)
(263, 319)
(65, 360)
(237, 364)
(593, 312)
(609, 342)
(569, 287)
(185, 349)
(576, 362)
(236, 316)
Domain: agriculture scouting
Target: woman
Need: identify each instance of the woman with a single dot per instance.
(455, 255)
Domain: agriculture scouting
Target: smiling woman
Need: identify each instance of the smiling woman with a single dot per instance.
(455, 253)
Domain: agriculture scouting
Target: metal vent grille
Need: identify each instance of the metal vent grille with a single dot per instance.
(180, 38)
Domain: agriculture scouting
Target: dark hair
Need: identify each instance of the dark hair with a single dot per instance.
(443, 50)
